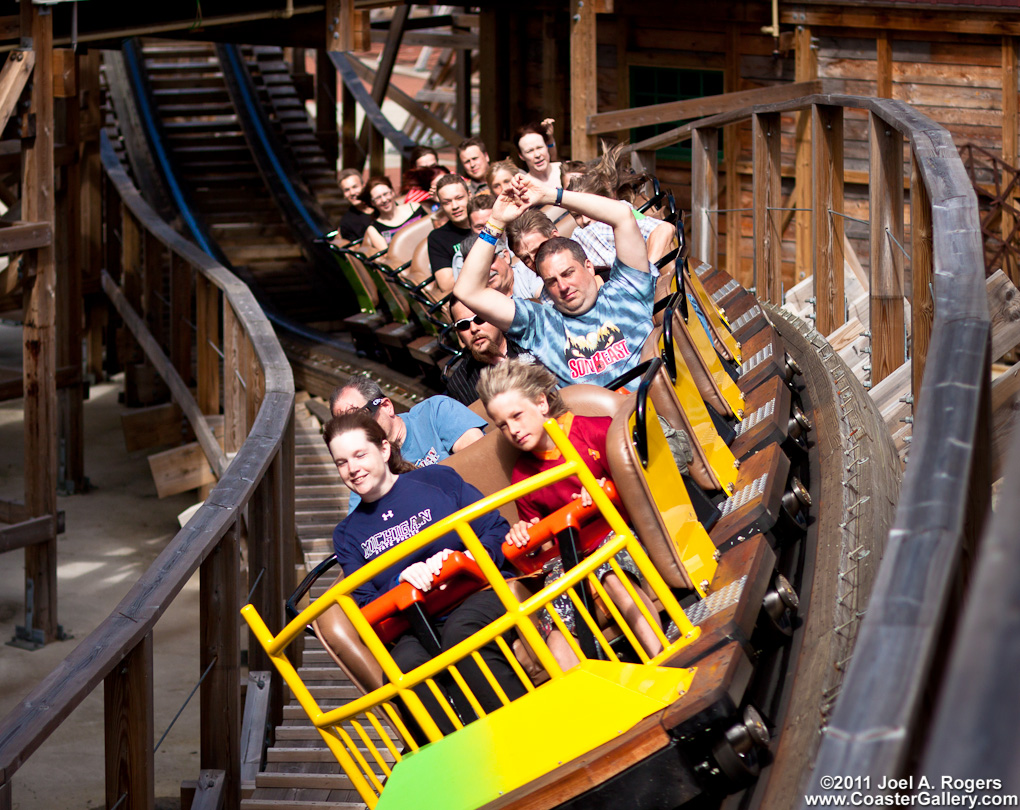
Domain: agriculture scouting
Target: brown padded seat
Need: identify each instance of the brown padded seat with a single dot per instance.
(695, 365)
(668, 406)
(629, 477)
(406, 240)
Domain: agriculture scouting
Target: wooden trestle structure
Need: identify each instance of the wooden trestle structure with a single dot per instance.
(919, 634)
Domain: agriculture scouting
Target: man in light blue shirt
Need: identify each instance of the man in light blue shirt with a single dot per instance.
(432, 430)
(589, 334)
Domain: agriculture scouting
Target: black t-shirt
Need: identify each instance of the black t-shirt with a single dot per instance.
(354, 223)
(444, 244)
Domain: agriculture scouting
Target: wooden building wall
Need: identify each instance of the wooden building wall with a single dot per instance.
(955, 78)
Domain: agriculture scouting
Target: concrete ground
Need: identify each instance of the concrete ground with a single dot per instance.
(113, 533)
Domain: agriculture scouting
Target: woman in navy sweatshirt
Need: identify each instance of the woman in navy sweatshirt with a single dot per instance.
(399, 500)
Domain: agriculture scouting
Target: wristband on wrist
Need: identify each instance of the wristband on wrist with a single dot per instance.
(488, 236)
(493, 227)
(559, 196)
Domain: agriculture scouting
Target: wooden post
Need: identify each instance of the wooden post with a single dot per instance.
(583, 88)
(376, 151)
(462, 69)
(325, 107)
(91, 205)
(886, 207)
(705, 194)
(291, 554)
(768, 248)
(152, 287)
(350, 155)
(219, 645)
(1010, 148)
(827, 228)
(235, 426)
(922, 304)
(340, 25)
(806, 69)
(38, 332)
(129, 730)
(489, 75)
(265, 564)
(207, 324)
(383, 74)
(731, 155)
(883, 47)
(181, 317)
(70, 322)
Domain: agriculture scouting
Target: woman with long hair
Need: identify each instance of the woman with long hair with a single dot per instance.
(533, 141)
(390, 216)
(398, 501)
(519, 397)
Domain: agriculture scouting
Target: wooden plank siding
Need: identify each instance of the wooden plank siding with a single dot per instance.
(956, 79)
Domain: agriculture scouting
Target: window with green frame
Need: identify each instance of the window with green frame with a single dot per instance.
(656, 85)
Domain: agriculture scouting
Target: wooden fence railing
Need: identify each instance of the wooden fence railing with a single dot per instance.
(881, 718)
(240, 364)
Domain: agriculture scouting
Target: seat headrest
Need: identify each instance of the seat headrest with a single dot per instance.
(406, 240)
(346, 648)
(629, 478)
(487, 464)
(591, 400)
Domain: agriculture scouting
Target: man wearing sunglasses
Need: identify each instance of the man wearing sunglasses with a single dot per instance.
(486, 345)
(431, 431)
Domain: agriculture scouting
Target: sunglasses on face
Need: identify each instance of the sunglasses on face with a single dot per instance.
(465, 323)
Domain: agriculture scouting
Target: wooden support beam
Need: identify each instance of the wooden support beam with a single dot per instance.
(884, 57)
(415, 108)
(350, 155)
(960, 23)
(253, 724)
(922, 276)
(352, 84)
(731, 154)
(234, 366)
(1010, 147)
(220, 652)
(13, 78)
(699, 107)
(39, 330)
(489, 77)
(340, 25)
(67, 377)
(462, 71)
(182, 318)
(886, 214)
(29, 533)
(384, 73)
(325, 108)
(130, 730)
(827, 228)
(583, 83)
(16, 237)
(209, 790)
(768, 278)
(805, 69)
(705, 195)
(207, 326)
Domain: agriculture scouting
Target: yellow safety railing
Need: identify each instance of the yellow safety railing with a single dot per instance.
(344, 728)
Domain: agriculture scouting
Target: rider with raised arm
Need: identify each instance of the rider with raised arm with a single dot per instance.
(591, 334)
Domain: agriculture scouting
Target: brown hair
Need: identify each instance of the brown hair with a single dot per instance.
(530, 128)
(558, 244)
(531, 379)
(372, 182)
(483, 201)
(449, 180)
(467, 143)
(420, 151)
(501, 166)
(347, 173)
(359, 420)
(530, 220)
